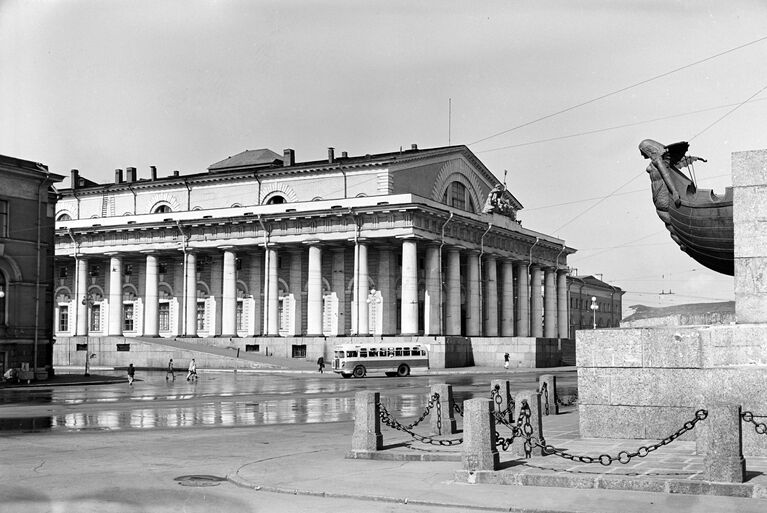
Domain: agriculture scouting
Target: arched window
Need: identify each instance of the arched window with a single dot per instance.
(276, 200)
(64, 217)
(3, 293)
(457, 196)
(162, 209)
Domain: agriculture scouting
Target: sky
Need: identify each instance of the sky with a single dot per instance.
(558, 94)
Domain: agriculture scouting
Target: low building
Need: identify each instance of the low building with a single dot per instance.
(27, 207)
(421, 242)
(585, 291)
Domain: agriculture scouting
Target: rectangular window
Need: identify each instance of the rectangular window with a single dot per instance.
(252, 348)
(64, 318)
(95, 318)
(298, 351)
(240, 325)
(163, 312)
(351, 354)
(163, 268)
(81, 347)
(201, 315)
(128, 317)
(123, 347)
(3, 218)
(405, 351)
(363, 352)
(373, 352)
(63, 273)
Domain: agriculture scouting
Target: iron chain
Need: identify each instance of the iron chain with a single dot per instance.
(759, 427)
(388, 419)
(545, 390)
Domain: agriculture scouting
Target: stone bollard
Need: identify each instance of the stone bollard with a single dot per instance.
(479, 450)
(724, 460)
(504, 391)
(548, 396)
(533, 398)
(446, 409)
(367, 423)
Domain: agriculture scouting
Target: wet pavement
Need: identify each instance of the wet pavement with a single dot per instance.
(227, 399)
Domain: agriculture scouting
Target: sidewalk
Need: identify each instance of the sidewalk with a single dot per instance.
(669, 479)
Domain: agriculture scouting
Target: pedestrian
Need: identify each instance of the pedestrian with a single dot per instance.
(506, 361)
(170, 371)
(192, 370)
(131, 373)
(321, 364)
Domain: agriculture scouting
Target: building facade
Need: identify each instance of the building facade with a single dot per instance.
(608, 300)
(27, 207)
(415, 242)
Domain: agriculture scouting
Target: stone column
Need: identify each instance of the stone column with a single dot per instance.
(81, 271)
(500, 390)
(338, 284)
(432, 307)
(216, 286)
(256, 287)
(271, 299)
(523, 301)
(314, 292)
(447, 419)
(533, 399)
(191, 295)
(229, 295)
(453, 315)
(151, 298)
(479, 450)
(536, 302)
(472, 295)
(490, 287)
(507, 299)
(724, 460)
(296, 288)
(548, 394)
(409, 311)
(386, 273)
(361, 317)
(749, 180)
(115, 296)
(550, 304)
(367, 422)
(563, 310)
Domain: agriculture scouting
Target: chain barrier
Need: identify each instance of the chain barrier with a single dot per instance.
(623, 456)
(388, 419)
(457, 408)
(432, 401)
(439, 416)
(759, 427)
(497, 398)
(545, 390)
(522, 428)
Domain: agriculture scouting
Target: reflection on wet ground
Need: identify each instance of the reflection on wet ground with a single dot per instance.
(223, 400)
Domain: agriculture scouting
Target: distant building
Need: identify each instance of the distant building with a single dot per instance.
(609, 302)
(406, 243)
(27, 207)
(680, 315)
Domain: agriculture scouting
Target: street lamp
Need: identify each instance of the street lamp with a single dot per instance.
(594, 307)
(88, 301)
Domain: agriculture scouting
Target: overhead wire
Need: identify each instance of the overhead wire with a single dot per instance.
(622, 89)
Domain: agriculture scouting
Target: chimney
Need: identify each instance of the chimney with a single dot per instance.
(130, 174)
(118, 176)
(344, 155)
(75, 174)
(331, 155)
(176, 173)
(413, 146)
(288, 157)
(153, 172)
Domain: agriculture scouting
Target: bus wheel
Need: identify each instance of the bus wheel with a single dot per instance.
(403, 370)
(359, 371)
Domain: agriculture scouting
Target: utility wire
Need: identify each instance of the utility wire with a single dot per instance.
(626, 88)
(729, 112)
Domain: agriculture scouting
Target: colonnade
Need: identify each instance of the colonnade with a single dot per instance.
(497, 296)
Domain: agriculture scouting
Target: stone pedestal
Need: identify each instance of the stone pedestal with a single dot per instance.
(724, 460)
(479, 451)
(447, 419)
(367, 423)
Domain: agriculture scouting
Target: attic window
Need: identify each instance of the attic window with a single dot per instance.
(161, 209)
(276, 200)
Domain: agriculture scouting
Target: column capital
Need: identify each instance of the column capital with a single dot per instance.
(148, 251)
(312, 242)
(226, 248)
(113, 254)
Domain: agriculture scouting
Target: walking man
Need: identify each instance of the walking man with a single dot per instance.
(321, 364)
(192, 370)
(506, 361)
(170, 371)
(131, 373)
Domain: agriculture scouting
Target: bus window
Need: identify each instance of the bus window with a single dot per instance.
(373, 352)
(390, 352)
(351, 354)
(339, 354)
(416, 352)
(405, 351)
(398, 351)
(363, 352)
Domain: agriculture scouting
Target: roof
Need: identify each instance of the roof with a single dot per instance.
(595, 282)
(262, 157)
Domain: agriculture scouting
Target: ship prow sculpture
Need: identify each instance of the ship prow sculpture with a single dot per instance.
(699, 220)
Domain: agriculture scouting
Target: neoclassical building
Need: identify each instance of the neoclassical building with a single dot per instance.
(414, 242)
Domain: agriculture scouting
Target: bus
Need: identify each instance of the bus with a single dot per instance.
(392, 359)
